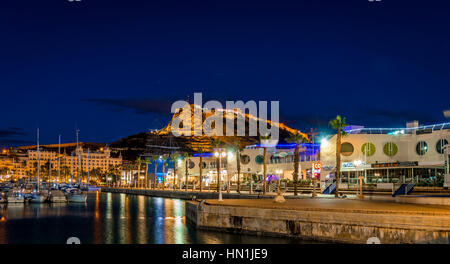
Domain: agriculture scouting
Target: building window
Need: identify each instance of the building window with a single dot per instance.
(191, 164)
(259, 159)
(421, 148)
(245, 159)
(440, 145)
(347, 149)
(390, 149)
(368, 149)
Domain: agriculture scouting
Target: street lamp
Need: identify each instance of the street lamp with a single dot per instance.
(358, 163)
(220, 153)
(279, 198)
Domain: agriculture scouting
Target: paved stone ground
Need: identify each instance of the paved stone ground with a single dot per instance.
(338, 205)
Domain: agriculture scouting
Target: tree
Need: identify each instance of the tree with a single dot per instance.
(164, 164)
(139, 162)
(338, 124)
(155, 162)
(65, 171)
(297, 138)
(94, 171)
(186, 172)
(147, 162)
(200, 169)
(174, 157)
(45, 168)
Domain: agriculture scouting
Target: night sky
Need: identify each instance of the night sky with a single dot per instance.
(112, 68)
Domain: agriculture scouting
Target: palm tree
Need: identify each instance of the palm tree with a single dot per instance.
(238, 148)
(338, 124)
(155, 162)
(93, 171)
(45, 169)
(200, 176)
(297, 138)
(147, 162)
(174, 157)
(139, 162)
(164, 164)
(186, 172)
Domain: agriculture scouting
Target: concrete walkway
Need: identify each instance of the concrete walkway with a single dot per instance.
(338, 205)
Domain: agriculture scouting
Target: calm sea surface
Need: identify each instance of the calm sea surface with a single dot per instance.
(111, 219)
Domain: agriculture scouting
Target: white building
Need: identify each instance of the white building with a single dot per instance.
(280, 164)
(411, 154)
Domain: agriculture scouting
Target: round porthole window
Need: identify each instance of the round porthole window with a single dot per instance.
(368, 149)
(347, 149)
(390, 149)
(421, 148)
(191, 164)
(259, 159)
(440, 145)
(245, 159)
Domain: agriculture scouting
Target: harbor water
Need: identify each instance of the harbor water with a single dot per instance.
(111, 218)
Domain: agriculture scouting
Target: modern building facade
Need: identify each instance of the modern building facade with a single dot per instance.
(390, 155)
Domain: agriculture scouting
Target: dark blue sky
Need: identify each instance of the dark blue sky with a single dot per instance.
(111, 68)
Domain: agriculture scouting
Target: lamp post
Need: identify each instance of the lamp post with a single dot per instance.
(279, 198)
(219, 153)
(358, 163)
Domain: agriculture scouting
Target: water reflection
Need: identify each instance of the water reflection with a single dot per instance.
(141, 220)
(108, 221)
(98, 226)
(110, 218)
(158, 219)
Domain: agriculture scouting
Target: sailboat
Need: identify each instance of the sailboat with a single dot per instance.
(38, 196)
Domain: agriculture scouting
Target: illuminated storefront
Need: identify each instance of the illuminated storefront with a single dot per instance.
(412, 154)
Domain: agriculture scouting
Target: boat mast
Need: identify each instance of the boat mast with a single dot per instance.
(71, 168)
(38, 161)
(59, 158)
(78, 159)
(89, 157)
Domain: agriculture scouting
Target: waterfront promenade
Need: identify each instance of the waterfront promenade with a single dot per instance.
(210, 194)
(330, 220)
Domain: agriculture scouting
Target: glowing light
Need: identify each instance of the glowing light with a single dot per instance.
(357, 163)
(397, 132)
(324, 142)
